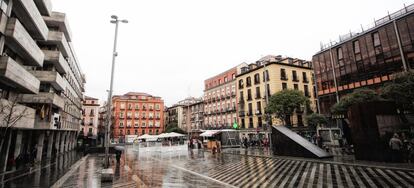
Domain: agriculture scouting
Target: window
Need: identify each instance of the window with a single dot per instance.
(241, 95)
(143, 124)
(240, 84)
(248, 81)
(121, 124)
(136, 132)
(339, 53)
(136, 106)
(295, 86)
(356, 47)
(122, 106)
(90, 130)
(130, 106)
(250, 108)
(258, 107)
(306, 90)
(376, 39)
(305, 77)
(294, 76)
(257, 92)
(128, 132)
(143, 132)
(92, 112)
(225, 79)
(283, 74)
(256, 78)
(284, 86)
(249, 94)
(233, 76)
(268, 90)
(265, 76)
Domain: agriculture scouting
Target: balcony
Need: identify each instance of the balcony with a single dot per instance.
(241, 114)
(14, 75)
(58, 38)
(44, 98)
(283, 78)
(129, 117)
(295, 79)
(27, 120)
(258, 112)
(57, 19)
(20, 41)
(50, 77)
(44, 6)
(90, 124)
(30, 17)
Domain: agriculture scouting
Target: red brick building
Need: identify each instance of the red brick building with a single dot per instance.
(137, 114)
(220, 104)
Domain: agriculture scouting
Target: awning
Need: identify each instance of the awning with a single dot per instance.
(209, 133)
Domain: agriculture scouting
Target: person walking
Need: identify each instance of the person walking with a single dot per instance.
(395, 146)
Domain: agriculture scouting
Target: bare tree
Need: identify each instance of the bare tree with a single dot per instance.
(11, 112)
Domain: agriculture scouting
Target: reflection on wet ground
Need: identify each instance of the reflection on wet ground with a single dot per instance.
(197, 168)
(44, 175)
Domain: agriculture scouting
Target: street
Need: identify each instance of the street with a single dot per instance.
(229, 169)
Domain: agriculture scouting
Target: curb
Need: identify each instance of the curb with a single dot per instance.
(65, 177)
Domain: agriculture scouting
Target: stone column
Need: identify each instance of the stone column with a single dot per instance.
(40, 142)
(57, 142)
(18, 145)
(50, 144)
(74, 141)
(62, 142)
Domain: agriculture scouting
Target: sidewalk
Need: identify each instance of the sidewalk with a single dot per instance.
(339, 158)
(40, 175)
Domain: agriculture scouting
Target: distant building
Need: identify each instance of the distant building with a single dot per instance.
(102, 123)
(256, 81)
(181, 113)
(90, 115)
(220, 102)
(366, 58)
(197, 115)
(137, 114)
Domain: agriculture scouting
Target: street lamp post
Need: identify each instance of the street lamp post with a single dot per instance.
(115, 21)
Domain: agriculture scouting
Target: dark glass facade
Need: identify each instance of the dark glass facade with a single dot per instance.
(365, 60)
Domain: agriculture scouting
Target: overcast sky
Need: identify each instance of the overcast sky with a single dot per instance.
(169, 47)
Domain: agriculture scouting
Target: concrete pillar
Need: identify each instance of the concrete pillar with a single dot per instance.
(62, 142)
(57, 142)
(18, 145)
(75, 140)
(67, 141)
(4, 153)
(50, 144)
(40, 142)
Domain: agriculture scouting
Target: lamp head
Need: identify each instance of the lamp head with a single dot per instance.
(124, 21)
(114, 17)
(113, 21)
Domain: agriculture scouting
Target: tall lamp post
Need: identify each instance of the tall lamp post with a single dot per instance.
(114, 20)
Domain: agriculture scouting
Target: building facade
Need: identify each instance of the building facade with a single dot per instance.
(90, 112)
(257, 80)
(365, 58)
(137, 114)
(220, 99)
(40, 75)
(197, 115)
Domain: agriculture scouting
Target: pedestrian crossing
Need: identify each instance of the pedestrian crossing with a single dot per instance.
(253, 171)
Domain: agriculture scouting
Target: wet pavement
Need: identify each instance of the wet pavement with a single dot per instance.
(43, 175)
(196, 168)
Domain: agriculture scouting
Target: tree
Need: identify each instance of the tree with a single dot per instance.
(173, 127)
(315, 119)
(358, 96)
(401, 90)
(282, 104)
(11, 112)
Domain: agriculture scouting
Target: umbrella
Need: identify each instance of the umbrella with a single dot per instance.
(146, 136)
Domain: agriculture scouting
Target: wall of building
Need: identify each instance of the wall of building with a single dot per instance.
(365, 60)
